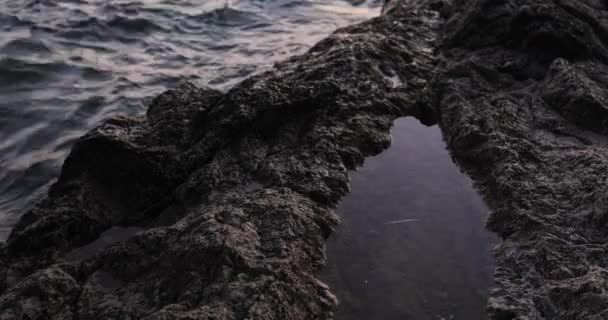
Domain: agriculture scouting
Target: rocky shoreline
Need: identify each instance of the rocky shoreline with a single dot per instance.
(522, 106)
(235, 192)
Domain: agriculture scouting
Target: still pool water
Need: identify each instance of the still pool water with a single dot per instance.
(412, 243)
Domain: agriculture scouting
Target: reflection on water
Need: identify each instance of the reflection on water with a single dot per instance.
(67, 64)
(412, 243)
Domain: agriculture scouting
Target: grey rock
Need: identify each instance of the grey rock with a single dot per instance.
(235, 192)
(522, 106)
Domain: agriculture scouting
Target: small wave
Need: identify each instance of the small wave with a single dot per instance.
(85, 29)
(8, 22)
(135, 25)
(260, 25)
(128, 8)
(228, 17)
(16, 71)
(36, 4)
(89, 107)
(13, 71)
(294, 4)
(118, 28)
(25, 47)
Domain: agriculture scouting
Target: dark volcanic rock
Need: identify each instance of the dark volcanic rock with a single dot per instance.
(578, 92)
(235, 191)
(521, 98)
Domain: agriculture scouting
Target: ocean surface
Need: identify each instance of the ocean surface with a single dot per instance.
(67, 64)
(412, 244)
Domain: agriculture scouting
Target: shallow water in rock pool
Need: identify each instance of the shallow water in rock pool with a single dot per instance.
(67, 64)
(412, 242)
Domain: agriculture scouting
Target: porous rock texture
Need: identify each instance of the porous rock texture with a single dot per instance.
(236, 191)
(521, 96)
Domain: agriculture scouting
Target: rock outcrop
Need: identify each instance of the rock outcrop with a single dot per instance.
(236, 191)
(521, 97)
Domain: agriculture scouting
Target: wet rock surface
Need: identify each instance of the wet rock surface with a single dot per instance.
(236, 191)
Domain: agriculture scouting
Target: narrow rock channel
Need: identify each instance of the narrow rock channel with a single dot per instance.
(412, 242)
